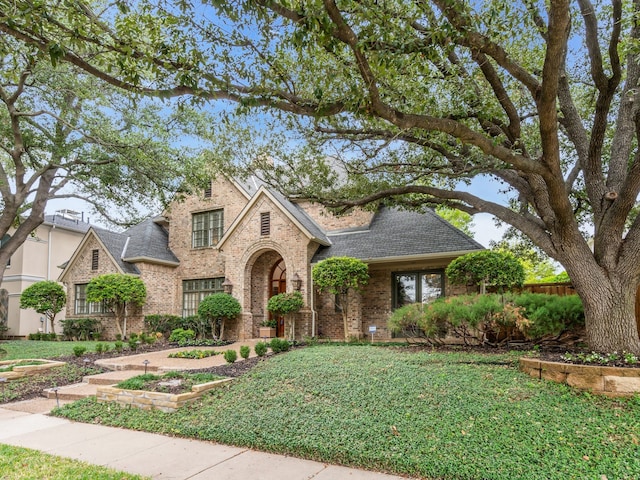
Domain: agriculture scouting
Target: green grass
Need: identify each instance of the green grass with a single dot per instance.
(23, 464)
(433, 415)
(18, 349)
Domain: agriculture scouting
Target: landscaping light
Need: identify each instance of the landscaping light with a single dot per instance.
(86, 364)
(55, 390)
(227, 286)
(296, 281)
(146, 362)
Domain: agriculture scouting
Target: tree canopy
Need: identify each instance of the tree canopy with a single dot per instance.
(118, 291)
(65, 134)
(496, 269)
(219, 306)
(46, 297)
(413, 99)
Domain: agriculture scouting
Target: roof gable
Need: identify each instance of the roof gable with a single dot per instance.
(296, 215)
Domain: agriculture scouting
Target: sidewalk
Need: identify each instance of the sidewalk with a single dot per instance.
(158, 456)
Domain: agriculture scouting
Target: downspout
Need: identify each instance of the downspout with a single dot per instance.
(46, 323)
(313, 310)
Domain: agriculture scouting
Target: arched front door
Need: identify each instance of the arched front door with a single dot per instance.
(278, 285)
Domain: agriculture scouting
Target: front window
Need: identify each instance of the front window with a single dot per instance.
(82, 307)
(207, 228)
(193, 291)
(413, 287)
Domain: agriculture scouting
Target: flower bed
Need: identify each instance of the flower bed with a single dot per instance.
(610, 381)
(145, 400)
(26, 367)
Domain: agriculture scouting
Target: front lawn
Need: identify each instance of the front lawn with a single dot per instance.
(433, 415)
(19, 463)
(18, 349)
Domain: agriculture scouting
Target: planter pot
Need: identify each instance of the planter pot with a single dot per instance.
(267, 332)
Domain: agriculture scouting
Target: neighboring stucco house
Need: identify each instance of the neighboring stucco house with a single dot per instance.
(258, 242)
(39, 258)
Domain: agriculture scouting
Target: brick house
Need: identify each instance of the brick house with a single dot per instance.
(257, 241)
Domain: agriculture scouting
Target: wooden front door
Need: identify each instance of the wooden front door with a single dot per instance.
(278, 285)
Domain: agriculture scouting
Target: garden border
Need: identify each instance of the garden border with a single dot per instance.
(20, 371)
(145, 400)
(610, 381)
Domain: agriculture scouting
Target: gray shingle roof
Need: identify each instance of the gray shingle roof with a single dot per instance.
(146, 240)
(398, 233)
(114, 243)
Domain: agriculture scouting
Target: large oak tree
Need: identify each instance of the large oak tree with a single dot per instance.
(417, 97)
(65, 134)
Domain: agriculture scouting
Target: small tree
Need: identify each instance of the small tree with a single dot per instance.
(46, 297)
(286, 304)
(220, 306)
(341, 276)
(498, 269)
(117, 291)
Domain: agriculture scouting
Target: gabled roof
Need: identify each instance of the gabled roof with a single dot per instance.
(145, 242)
(294, 213)
(396, 235)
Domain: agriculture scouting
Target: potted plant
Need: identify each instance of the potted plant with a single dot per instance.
(268, 329)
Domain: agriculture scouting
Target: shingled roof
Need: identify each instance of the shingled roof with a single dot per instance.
(393, 234)
(146, 241)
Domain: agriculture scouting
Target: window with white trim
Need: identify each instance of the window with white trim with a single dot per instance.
(207, 228)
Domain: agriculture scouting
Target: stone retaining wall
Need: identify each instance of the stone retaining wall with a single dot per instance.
(167, 402)
(27, 370)
(610, 381)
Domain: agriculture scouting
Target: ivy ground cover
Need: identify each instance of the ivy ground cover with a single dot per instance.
(431, 415)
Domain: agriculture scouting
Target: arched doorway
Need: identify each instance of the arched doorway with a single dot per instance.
(278, 284)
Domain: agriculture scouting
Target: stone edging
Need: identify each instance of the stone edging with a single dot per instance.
(167, 402)
(28, 370)
(610, 381)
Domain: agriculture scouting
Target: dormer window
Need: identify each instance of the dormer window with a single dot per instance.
(207, 228)
(265, 224)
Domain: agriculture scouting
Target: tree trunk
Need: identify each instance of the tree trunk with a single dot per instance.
(610, 316)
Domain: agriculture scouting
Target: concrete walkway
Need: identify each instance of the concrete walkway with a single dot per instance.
(158, 456)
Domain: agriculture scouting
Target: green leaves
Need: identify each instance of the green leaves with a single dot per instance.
(219, 305)
(285, 303)
(337, 275)
(117, 289)
(493, 268)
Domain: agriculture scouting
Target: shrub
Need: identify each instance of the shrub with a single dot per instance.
(164, 324)
(99, 347)
(261, 349)
(230, 356)
(181, 335)
(279, 345)
(133, 343)
(200, 326)
(194, 354)
(245, 351)
(118, 345)
(106, 347)
(80, 328)
(79, 350)
(219, 307)
(498, 269)
(490, 318)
